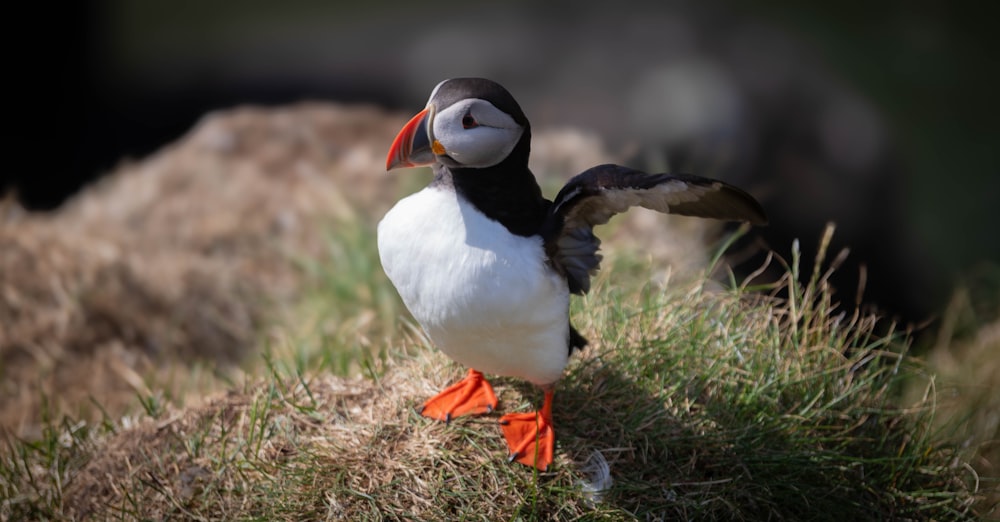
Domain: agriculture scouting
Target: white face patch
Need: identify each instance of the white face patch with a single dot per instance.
(475, 133)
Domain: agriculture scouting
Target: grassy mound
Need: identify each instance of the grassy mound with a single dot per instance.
(165, 272)
(694, 401)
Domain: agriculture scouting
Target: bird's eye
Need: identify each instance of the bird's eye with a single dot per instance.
(468, 121)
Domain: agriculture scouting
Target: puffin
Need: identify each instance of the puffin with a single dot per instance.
(486, 264)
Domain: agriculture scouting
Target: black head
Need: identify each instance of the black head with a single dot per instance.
(469, 123)
(453, 90)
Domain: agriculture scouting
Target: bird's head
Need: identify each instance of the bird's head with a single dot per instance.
(467, 123)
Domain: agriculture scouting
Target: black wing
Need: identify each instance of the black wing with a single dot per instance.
(592, 197)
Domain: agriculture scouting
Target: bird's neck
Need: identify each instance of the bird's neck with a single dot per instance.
(507, 193)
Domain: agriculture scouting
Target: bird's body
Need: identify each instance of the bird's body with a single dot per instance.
(486, 297)
(486, 264)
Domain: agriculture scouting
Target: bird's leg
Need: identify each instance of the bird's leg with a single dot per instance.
(472, 394)
(530, 436)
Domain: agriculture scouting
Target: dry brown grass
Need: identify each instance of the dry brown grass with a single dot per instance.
(965, 362)
(333, 435)
(174, 261)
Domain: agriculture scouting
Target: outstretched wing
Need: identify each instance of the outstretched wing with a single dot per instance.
(592, 197)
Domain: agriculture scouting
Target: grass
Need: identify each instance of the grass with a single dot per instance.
(694, 401)
(966, 376)
(344, 320)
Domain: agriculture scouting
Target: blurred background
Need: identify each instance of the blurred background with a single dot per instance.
(878, 116)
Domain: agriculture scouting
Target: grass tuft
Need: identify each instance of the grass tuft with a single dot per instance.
(343, 322)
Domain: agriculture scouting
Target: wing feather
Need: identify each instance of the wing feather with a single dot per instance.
(594, 196)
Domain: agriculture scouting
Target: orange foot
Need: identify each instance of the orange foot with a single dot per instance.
(472, 394)
(530, 436)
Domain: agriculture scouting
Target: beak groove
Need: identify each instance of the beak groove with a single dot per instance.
(412, 146)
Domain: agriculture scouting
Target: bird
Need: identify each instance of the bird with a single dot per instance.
(486, 264)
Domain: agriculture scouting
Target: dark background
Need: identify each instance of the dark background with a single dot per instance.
(881, 116)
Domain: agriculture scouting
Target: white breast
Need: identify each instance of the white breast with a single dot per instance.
(486, 297)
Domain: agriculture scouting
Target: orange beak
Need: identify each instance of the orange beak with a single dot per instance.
(413, 145)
